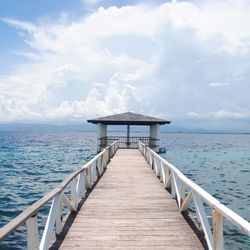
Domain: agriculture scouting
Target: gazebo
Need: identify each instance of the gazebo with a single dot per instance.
(129, 119)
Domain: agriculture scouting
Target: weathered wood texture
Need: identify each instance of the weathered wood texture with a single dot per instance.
(128, 209)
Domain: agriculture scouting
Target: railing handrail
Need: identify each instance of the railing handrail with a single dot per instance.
(124, 136)
(213, 202)
(32, 210)
(242, 224)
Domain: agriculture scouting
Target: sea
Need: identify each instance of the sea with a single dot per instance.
(34, 162)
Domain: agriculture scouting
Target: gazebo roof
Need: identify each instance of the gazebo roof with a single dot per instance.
(128, 118)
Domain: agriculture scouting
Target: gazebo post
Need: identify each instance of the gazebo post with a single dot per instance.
(102, 136)
(155, 136)
(128, 136)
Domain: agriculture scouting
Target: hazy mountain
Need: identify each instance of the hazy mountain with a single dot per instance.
(91, 127)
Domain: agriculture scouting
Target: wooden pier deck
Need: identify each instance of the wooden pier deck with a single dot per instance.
(128, 209)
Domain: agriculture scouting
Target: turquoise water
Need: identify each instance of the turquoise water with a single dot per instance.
(32, 163)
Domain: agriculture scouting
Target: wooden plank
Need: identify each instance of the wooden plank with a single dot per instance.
(128, 208)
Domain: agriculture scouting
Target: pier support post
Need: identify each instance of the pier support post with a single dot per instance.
(102, 136)
(155, 135)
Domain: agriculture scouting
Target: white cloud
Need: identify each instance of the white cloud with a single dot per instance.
(218, 84)
(20, 24)
(194, 114)
(228, 20)
(91, 2)
(166, 59)
(96, 103)
(226, 114)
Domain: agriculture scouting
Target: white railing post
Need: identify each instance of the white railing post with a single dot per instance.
(105, 159)
(107, 154)
(80, 187)
(83, 184)
(110, 152)
(94, 172)
(181, 193)
(102, 163)
(217, 230)
(98, 166)
(73, 194)
(91, 174)
(166, 173)
(158, 168)
(155, 164)
(44, 244)
(32, 233)
(151, 160)
(97, 170)
(59, 216)
(87, 178)
(173, 191)
(162, 174)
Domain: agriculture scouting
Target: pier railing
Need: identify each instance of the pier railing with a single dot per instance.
(79, 181)
(186, 191)
(128, 142)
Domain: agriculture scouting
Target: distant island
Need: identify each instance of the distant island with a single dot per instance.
(78, 127)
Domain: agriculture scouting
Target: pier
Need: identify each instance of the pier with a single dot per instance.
(128, 209)
(126, 197)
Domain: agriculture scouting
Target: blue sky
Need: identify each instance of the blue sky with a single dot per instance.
(65, 61)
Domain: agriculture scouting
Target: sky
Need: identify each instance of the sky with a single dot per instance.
(65, 61)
